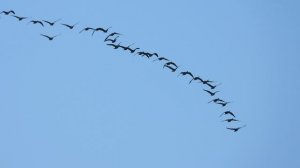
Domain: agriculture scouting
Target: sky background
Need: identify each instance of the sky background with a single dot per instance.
(75, 102)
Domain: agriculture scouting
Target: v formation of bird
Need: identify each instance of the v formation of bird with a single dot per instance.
(111, 40)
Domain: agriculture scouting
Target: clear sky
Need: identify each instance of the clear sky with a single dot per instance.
(75, 102)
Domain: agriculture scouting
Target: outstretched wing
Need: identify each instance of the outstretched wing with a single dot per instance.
(231, 128)
(173, 69)
(67, 25)
(110, 45)
(94, 31)
(47, 22)
(41, 23)
(190, 74)
(231, 114)
(155, 54)
(163, 58)
(116, 38)
(211, 86)
(207, 91)
(45, 36)
(174, 64)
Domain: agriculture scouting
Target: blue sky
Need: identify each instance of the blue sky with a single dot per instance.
(74, 102)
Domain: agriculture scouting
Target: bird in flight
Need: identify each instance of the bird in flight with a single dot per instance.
(132, 50)
(50, 38)
(230, 120)
(36, 22)
(227, 113)
(8, 12)
(19, 17)
(142, 53)
(112, 34)
(69, 26)
(101, 29)
(205, 82)
(212, 86)
(114, 45)
(171, 63)
(186, 73)
(201, 80)
(171, 68)
(51, 23)
(217, 100)
(126, 48)
(223, 103)
(161, 59)
(210, 92)
(197, 78)
(111, 40)
(151, 54)
(236, 129)
(86, 29)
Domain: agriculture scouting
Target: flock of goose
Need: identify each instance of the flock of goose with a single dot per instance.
(111, 40)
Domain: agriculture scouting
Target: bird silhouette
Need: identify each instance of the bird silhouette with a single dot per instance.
(146, 55)
(212, 86)
(236, 129)
(112, 34)
(155, 54)
(196, 78)
(132, 50)
(217, 100)
(126, 48)
(171, 68)
(86, 29)
(211, 93)
(186, 73)
(19, 17)
(161, 59)
(201, 80)
(36, 22)
(69, 26)
(101, 29)
(142, 53)
(114, 45)
(205, 82)
(8, 12)
(223, 103)
(111, 40)
(151, 54)
(230, 120)
(171, 63)
(51, 23)
(227, 113)
(50, 38)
